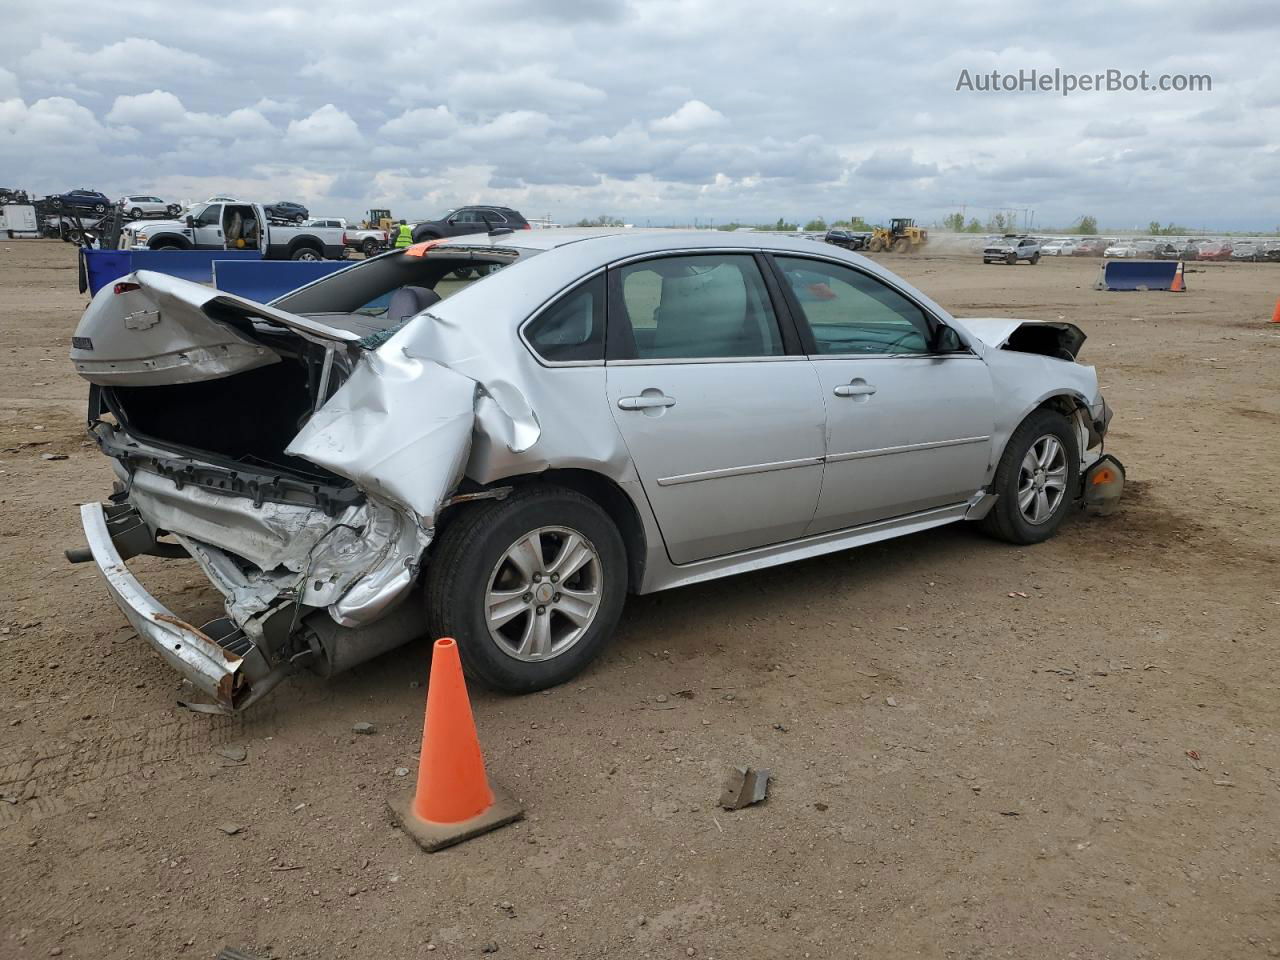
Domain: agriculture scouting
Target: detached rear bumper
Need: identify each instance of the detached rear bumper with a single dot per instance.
(219, 672)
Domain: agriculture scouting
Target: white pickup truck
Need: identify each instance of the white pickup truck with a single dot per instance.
(234, 225)
(368, 242)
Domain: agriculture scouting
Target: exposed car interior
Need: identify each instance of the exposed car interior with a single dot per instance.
(383, 293)
(241, 228)
(703, 306)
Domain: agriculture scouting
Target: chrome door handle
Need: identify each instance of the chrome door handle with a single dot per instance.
(645, 403)
(854, 390)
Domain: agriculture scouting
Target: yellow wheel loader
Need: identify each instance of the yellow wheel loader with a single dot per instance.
(901, 236)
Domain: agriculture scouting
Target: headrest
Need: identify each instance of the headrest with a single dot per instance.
(409, 301)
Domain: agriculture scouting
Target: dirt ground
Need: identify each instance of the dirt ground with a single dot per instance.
(1030, 794)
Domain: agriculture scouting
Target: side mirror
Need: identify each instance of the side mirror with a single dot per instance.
(191, 221)
(946, 340)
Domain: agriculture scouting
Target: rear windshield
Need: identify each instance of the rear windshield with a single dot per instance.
(366, 288)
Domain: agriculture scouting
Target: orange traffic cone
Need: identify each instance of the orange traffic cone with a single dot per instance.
(1275, 314)
(1177, 286)
(453, 800)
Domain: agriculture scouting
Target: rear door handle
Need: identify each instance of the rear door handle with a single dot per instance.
(859, 388)
(645, 402)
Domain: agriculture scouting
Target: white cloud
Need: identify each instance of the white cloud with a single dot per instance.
(895, 165)
(519, 126)
(423, 123)
(161, 112)
(133, 59)
(528, 86)
(693, 116)
(51, 123)
(326, 128)
(157, 108)
(8, 85)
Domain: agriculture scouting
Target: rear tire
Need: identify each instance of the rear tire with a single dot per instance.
(1030, 465)
(471, 564)
(306, 253)
(136, 213)
(369, 247)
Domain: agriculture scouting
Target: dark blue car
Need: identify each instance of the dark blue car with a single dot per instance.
(287, 210)
(83, 200)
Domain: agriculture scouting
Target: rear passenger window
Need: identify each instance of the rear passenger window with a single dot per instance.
(697, 307)
(572, 328)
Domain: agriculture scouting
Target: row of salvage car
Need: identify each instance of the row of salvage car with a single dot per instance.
(498, 438)
(1260, 251)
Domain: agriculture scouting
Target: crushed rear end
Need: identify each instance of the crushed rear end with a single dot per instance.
(301, 469)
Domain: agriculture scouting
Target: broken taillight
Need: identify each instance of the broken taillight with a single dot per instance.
(126, 287)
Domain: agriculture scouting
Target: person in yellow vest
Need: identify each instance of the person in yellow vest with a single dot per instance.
(404, 235)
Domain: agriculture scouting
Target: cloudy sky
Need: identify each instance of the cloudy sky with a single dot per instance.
(653, 110)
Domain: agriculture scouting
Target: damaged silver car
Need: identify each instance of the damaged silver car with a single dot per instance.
(499, 437)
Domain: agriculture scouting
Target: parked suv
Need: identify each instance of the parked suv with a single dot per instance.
(141, 205)
(83, 200)
(1010, 249)
(464, 220)
(287, 210)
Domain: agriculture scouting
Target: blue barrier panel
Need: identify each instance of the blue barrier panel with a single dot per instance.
(106, 266)
(265, 280)
(100, 267)
(1141, 275)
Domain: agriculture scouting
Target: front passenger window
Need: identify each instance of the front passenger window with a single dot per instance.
(850, 312)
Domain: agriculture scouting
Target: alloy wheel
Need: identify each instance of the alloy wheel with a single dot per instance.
(543, 593)
(1042, 479)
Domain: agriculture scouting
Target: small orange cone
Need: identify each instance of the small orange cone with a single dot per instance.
(1177, 285)
(1275, 314)
(453, 800)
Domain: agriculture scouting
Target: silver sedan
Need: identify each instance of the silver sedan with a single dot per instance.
(499, 437)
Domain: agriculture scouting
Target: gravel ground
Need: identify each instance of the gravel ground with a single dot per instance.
(961, 770)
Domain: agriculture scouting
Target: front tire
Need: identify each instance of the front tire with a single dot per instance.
(1011, 259)
(531, 587)
(1035, 258)
(1035, 481)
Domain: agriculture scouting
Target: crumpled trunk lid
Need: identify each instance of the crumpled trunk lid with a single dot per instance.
(160, 330)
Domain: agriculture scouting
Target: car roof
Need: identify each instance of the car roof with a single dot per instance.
(552, 258)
